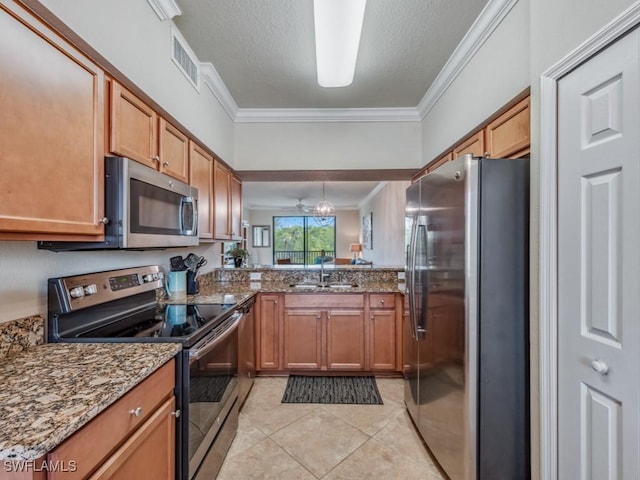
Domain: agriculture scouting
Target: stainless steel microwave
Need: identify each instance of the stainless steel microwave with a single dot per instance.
(144, 209)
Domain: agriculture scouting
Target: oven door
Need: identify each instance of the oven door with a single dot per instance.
(213, 391)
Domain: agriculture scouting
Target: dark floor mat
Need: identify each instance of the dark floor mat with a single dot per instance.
(347, 390)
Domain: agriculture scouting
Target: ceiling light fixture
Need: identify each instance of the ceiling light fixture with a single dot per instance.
(338, 25)
(324, 211)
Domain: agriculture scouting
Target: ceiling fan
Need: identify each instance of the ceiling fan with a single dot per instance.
(302, 208)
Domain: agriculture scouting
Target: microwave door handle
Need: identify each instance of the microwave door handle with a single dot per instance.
(206, 345)
(193, 230)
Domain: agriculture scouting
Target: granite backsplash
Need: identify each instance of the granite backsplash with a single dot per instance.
(335, 274)
(19, 335)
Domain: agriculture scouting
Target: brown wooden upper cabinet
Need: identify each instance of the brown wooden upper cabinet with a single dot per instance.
(227, 199)
(139, 133)
(508, 135)
(201, 176)
(51, 133)
(473, 145)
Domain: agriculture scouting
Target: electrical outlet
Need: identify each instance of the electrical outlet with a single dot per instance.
(255, 276)
(400, 275)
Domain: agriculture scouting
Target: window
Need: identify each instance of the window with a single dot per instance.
(300, 240)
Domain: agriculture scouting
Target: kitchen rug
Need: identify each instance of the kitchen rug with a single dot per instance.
(346, 390)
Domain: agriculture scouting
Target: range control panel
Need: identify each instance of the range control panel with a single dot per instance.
(81, 291)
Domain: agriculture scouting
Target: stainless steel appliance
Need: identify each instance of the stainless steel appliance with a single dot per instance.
(144, 209)
(121, 306)
(466, 387)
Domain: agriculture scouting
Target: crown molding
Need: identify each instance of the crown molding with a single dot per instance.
(307, 115)
(488, 20)
(212, 80)
(165, 9)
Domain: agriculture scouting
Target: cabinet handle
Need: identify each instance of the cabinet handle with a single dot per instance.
(176, 413)
(318, 315)
(136, 412)
(275, 302)
(103, 220)
(165, 164)
(382, 302)
(487, 154)
(328, 316)
(155, 158)
(372, 316)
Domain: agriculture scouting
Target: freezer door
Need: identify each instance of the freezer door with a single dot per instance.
(440, 281)
(412, 213)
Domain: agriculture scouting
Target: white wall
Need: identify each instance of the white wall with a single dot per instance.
(323, 146)
(130, 36)
(496, 74)
(388, 226)
(347, 232)
(25, 270)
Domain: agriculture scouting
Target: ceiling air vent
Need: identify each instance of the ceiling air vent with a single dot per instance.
(185, 59)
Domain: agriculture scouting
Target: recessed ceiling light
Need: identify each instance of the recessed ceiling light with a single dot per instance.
(338, 25)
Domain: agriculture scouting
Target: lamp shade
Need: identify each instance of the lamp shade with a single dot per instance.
(355, 247)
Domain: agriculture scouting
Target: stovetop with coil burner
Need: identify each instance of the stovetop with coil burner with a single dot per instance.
(121, 306)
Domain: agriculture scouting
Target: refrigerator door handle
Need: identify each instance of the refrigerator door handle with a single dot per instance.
(411, 270)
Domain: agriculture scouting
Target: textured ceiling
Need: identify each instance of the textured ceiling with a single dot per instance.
(264, 50)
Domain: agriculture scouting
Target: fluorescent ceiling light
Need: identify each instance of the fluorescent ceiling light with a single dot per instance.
(338, 26)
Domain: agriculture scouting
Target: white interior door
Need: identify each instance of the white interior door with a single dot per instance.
(599, 267)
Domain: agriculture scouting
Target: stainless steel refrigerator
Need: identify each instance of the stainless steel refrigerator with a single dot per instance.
(467, 345)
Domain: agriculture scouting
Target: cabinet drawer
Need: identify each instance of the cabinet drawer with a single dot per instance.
(90, 445)
(382, 300)
(301, 300)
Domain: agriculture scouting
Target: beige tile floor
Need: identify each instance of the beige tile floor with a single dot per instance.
(312, 441)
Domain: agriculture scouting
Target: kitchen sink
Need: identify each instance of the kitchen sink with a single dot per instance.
(327, 285)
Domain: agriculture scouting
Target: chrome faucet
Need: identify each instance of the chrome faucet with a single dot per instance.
(322, 274)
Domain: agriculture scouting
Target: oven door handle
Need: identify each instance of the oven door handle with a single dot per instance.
(208, 344)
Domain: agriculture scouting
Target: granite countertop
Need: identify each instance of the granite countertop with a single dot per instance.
(242, 291)
(50, 391)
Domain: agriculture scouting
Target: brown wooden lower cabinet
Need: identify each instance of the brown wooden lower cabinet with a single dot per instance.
(268, 332)
(329, 332)
(133, 438)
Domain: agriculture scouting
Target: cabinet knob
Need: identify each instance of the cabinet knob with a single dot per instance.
(165, 164)
(382, 302)
(318, 316)
(136, 412)
(103, 220)
(155, 158)
(176, 413)
(372, 316)
(487, 154)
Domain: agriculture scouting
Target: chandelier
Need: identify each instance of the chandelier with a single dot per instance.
(324, 211)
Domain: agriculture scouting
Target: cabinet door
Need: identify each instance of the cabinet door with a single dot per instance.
(473, 145)
(235, 210)
(201, 177)
(440, 161)
(221, 185)
(345, 340)
(382, 340)
(51, 133)
(173, 149)
(246, 355)
(133, 127)
(302, 339)
(148, 453)
(268, 345)
(508, 135)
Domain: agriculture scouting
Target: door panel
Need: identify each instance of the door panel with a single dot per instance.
(598, 265)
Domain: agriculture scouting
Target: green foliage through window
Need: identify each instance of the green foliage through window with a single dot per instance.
(301, 239)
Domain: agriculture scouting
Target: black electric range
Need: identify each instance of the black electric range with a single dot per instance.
(122, 306)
